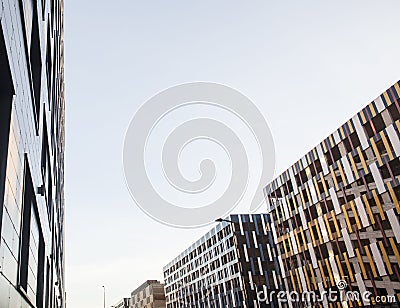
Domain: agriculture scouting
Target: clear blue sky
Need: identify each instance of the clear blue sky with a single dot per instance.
(308, 65)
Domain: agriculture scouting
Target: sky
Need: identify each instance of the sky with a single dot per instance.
(308, 66)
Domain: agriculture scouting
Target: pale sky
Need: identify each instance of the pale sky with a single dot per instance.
(307, 65)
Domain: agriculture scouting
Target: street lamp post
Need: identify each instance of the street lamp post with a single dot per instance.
(104, 296)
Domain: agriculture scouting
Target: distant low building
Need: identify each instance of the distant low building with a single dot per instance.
(124, 303)
(149, 295)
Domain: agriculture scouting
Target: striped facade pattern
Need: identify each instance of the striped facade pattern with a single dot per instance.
(226, 267)
(335, 212)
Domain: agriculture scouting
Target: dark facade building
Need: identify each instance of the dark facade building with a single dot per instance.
(149, 295)
(31, 154)
(227, 267)
(335, 212)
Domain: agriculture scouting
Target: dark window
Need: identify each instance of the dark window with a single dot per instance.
(6, 97)
(36, 61)
(31, 263)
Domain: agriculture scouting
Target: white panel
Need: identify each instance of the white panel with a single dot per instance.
(245, 252)
(321, 157)
(361, 285)
(347, 169)
(362, 212)
(260, 267)
(323, 229)
(312, 191)
(378, 259)
(335, 270)
(302, 279)
(269, 252)
(274, 233)
(303, 218)
(377, 178)
(285, 208)
(394, 222)
(251, 280)
(360, 132)
(322, 290)
(335, 200)
(379, 104)
(336, 136)
(347, 241)
(294, 244)
(394, 139)
(241, 225)
(275, 280)
(304, 162)
(255, 239)
(294, 184)
(263, 225)
(312, 254)
(281, 266)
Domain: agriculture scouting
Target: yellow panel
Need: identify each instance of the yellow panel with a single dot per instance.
(298, 279)
(339, 264)
(312, 234)
(388, 101)
(353, 166)
(379, 205)
(313, 276)
(387, 146)
(371, 261)
(349, 270)
(370, 214)
(363, 119)
(386, 258)
(396, 86)
(329, 271)
(317, 188)
(362, 160)
(321, 240)
(339, 234)
(342, 173)
(360, 260)
(372, 109)
(353, 208)
(377, 155)
(334, 177)
(394, 197)
(328, 227)
(321, 269)
(395, 250)
(304, 239)
(307, 278)
(324, 185)
(293, 284)
(342, 132)
(346, 216)
(308, 194)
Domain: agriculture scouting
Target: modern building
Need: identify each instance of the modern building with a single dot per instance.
(227, 267)
(31, 154)
(335, 212)
(124, 303)
(149, 295)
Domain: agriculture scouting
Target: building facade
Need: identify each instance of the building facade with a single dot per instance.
(227, 267)
(149, 295)
(335, 212)
(31, 154)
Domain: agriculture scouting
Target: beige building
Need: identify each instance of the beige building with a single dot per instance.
(149, 295)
